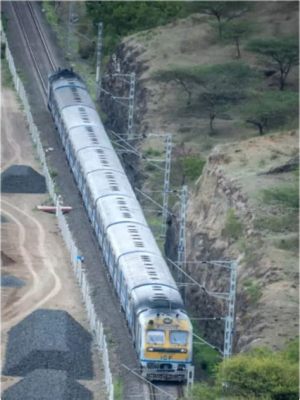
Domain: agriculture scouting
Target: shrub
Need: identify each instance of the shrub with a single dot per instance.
(253, 290)
(278, 223)
(287, 195)
(204, 391)
(260, 374)
(192, 167)
(152, 152)
(86, 49)
(233, 227)
(289, 244)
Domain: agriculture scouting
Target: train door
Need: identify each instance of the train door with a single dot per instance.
(138, 339)
(123, 294)
(106, 251)
(68, 149)
(119, 280)
(129, 310)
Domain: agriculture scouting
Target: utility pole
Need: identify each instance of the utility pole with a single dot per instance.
(229, 319)
(131, 104)
(98, 64)
(70, 22)
(182, 239)
(166, 189)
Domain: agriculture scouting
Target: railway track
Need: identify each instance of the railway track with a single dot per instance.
(165, 391)
(35, 42)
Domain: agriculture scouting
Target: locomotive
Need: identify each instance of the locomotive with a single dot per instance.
(149, 297)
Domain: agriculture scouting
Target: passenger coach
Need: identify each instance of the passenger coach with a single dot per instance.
(150, 299)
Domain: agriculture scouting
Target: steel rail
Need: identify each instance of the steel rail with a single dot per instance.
(15, 8)
(47, 48)
(36, 62)
(157, 393)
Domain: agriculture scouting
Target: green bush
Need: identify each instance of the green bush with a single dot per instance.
(118, 389)
(152, 152)
(52, 18)
(192, 167)
(253, 290)
(233, 227)
(287, 195)
(6, 77)
(288, 243)
(278, 223)
(86, 49)
(291, 352)
(261, 374)
(204, 391)
(206, 357)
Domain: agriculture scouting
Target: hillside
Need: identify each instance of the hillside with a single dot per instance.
(231, 194)
(193, 41)
(244, 205)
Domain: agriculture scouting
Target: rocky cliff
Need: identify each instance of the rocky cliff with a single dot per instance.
(236, 212)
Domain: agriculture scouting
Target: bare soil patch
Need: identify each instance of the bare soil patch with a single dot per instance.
(32, 248)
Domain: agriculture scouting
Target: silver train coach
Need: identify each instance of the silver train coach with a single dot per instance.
(150, 299)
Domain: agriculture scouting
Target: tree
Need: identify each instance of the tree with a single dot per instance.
(223, 11)
(121, 18)
(283, 53)
(271, 109)
(220, 85)
(179, 76)
(236, 31)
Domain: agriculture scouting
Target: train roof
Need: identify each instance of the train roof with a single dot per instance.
(157, 296)
(144, 268)
(129, 238)
(89, 135)
(107, 183)
(117, 209)
(72, 95)
(98, 158)
(65, 77)
(80, 116)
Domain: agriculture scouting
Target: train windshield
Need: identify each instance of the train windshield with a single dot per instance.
(178, 337)
(155, 337)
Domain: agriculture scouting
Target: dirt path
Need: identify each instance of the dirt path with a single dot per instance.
(32, 243)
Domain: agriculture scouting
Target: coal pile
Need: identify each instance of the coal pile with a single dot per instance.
(11, 281)
(49, 339)
(47, 385)
(22, 179)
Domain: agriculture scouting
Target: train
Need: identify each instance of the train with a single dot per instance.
(160, 327)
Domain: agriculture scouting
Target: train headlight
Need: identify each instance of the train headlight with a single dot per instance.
(183, 350)
(150, 349)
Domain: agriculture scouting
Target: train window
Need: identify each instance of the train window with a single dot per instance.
(178, 337)
(155, 337)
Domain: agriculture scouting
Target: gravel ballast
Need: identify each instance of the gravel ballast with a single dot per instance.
(47, 385)
(22, 179)
(49, 339)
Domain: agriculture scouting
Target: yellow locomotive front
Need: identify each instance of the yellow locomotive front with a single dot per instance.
(166, 346)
